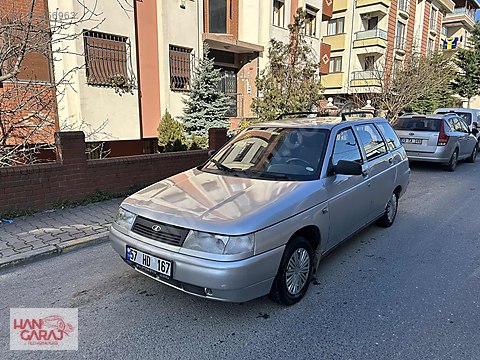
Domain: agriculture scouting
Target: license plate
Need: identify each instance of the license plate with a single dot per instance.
(160, 266)
(411, 141)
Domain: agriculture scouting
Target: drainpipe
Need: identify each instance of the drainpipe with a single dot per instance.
(351, 48)
(140, 114)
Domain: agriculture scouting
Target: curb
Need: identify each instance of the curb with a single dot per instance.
(57, 249)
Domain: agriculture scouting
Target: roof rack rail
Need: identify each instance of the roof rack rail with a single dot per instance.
(347, 113)
(316, 113)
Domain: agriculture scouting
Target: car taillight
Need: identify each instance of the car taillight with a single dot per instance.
(442, 138)
(475, 124)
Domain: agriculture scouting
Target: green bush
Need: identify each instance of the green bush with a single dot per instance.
(170, 134)
(198, 143)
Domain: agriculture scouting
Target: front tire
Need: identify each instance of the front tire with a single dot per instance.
(294, 274)
(390, 213)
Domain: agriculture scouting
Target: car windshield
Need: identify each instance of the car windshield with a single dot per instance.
(418, 124)
(273, 154)
(467, 117)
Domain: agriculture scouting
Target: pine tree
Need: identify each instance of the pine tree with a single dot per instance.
(205, 106)
(290, 82)
(170, 134)
(467, 80)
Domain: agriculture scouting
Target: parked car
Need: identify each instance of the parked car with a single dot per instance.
(470, 116)
(443, 139)
(258, 216)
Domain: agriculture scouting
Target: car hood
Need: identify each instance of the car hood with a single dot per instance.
(221, 204)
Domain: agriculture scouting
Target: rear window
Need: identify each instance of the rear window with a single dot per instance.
(389, 135)
(467, 117)
(418, 124)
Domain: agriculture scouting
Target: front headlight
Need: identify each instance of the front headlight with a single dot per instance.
(124, 218)
(219, 244)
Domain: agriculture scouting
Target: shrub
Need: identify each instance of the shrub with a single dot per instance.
(170, 134)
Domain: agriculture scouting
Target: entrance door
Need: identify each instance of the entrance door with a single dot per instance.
(228, 85)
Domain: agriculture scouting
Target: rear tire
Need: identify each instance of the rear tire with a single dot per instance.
(452, 164)
(473, 155)
(294, 273)
(390, 213)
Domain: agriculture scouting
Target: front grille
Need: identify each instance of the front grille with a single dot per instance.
(167, 234)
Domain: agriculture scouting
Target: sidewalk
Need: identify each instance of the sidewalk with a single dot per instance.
(53, 231)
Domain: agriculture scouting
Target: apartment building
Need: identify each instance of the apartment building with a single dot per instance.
(458, 24)
(369, 38)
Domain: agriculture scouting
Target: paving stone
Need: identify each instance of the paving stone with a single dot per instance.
(7, 252)
(37, 244)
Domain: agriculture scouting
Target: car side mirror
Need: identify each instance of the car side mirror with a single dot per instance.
(474, 131)
(344, 167)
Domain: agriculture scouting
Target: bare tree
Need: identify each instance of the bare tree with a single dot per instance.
(31, 41)
(393, 90)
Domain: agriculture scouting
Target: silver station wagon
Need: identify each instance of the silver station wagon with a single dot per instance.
(258, 216)
(438, 138)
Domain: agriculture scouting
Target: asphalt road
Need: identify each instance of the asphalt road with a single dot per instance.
(408, 292)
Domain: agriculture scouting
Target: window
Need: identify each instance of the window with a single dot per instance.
(311, 20)
(279, 13)
(433, 19)
(336, 26)
(106, 57)
(371, 140)
(430, 46)
(389, 135)
(180, 67)
(336, 64)
(346, 147)
(400, 38)
(217, 16)
(369, 63)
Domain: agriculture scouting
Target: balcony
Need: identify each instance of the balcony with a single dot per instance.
(337, 42)
(373, 41)
(367, 78)
(340, 5)
(361, 3)
(460, 16)
(332, 81)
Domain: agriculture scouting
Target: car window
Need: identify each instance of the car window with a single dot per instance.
(462, 124)
(389, 134)
(467, 117)
(456, 125)
(272, 153)
(417, 124)
(346, 147)
(371, 141)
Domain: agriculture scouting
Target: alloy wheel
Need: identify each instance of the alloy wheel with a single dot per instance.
(298, 270)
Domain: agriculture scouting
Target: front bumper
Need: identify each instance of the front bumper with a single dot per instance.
(233, 281)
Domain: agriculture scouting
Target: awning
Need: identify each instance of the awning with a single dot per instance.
(228, 43)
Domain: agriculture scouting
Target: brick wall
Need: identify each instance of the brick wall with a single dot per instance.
(73, 177)
(425, 28)
(411, 29)
(391, 32)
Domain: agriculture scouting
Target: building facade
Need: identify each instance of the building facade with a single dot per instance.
(370, 38)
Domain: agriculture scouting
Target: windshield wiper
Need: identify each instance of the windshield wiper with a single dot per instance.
(220, 166)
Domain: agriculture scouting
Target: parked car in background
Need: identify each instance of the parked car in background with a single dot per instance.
(443, 139)
(470, 116)
(258, 216)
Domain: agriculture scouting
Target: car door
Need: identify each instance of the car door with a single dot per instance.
(463, 137)
(381, 169)
(349, 195)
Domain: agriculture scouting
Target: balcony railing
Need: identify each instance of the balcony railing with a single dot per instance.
(400, 43)
(371, 34)
(404, 5)
(367, 75)
(464, 11)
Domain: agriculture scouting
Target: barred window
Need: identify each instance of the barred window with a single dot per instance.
(180, 67)
(106, 57)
